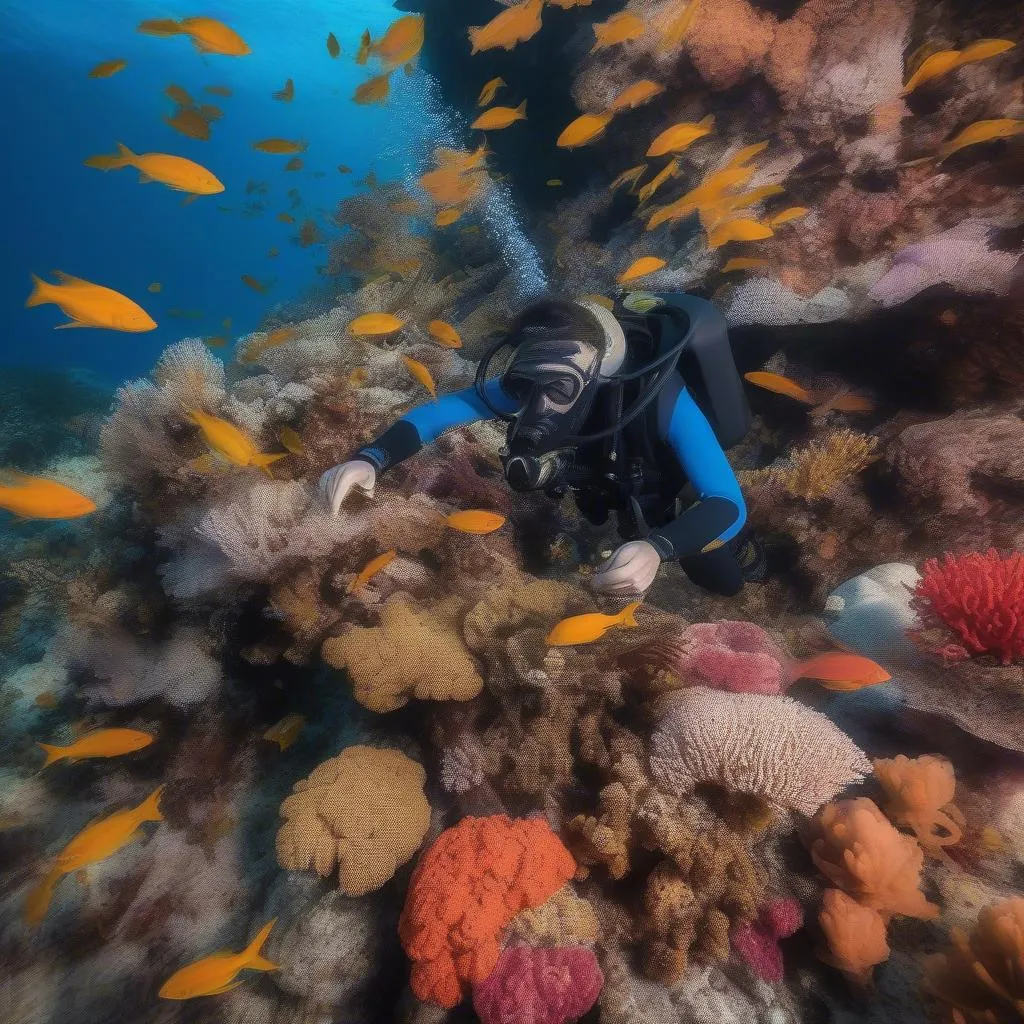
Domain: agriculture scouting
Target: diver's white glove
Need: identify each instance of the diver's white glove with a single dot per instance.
(630, 570)
(336, 483)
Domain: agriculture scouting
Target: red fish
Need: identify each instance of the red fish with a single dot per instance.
(841, 671)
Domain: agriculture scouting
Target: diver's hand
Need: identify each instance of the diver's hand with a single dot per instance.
(336, 483)
(630, 570)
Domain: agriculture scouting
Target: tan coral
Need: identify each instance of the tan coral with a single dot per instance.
(413, 651)
(363, 811)
(855, 935)
(818, 468)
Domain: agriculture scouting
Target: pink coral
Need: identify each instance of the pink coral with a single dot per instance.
(978, 596)
(757, 942)
(539, 986)
(725, 655)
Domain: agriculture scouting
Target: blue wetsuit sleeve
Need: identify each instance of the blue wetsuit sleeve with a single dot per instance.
(720, 512)
(427, 422)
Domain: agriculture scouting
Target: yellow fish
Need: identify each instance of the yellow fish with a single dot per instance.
(446, 217)
(743, 230)
(108, 68)
(333, 46)
(401, 42)
(500, 117)
(679, 136)
(780, 385)
(640, 267)
(292, 440)
(786, 216)
(982, 131)
(279, 146)
(90, 305)
(648, 190)
(207, 34)
(173, 171)
(674, 30)
(215, 974)
(475, 520)
(231, 443)
(636, 94)
(287, 93)
(554, 182)
(619, 28)
(743, 263)
(370, 570)
(943, 61)
(488, 92)
(584, 129)
(101, 743)
(512, 26)
(629, 177)
(370, 324)
(94, 843)
(34, 497)
(376, 90)
(585, 629)
(743, 156)
(443, 333)
(285, 732)
(363, 53)
(421, 373)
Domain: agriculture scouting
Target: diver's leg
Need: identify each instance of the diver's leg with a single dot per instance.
(716, 571)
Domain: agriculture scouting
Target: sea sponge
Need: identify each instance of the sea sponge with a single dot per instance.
(770, 746)
(413, 651)
(539, 986)
(980, 598)
(860, 852)
(919, 794)
(565, 919)
(982, 976)
(855, 935)
(465, 890)
(757, 942)
(364, 810)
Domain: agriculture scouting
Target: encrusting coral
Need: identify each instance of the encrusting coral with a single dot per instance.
(466, 888)
(363, 810)
(769, 746)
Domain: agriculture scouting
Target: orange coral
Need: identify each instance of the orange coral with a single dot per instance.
(855, 935)
(466, 889)
(982, 976)
(859, 851)
(919, 794)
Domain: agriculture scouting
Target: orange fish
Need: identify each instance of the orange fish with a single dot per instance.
(215, 974)
(189, 122)
(680, 136)
(333, 46)
(487, 93)
(401, 42)
(640, 268)
(33, 497)
(582, 130)
(344, 169)
(674, 30)
(743, 263)
(363, 53)
(207, 34)
(619, 28)
(780, 385)
(446, 217)
(787, 215)
(101, 743)
(512, 26)
(370, 570)
(232, 443)
(286, 218)
(443, 333)
(286, 94)
(376, 90)
(421, 373)
(292, 440)
(636, 94)
(108, 68)
(218, 90)
(500, 117)
(285, 732)
(370, 324)
(841, 671)
(279, 146)
(256, 286)
(475, 520)
(585, 629)
(295, 164)
(628, 177)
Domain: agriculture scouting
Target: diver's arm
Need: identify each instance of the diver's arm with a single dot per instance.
(720, 512)
(425, 423)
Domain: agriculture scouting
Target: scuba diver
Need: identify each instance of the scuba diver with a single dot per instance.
(629, 409)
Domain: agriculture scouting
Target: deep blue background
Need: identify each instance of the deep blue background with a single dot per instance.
(55, 213)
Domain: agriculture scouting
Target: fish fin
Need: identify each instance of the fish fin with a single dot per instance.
(38, 902)
(707, 122)
(224, 988)
(71, 279)
(521, 109)
(149, 809)
(38, 296)
(265, 461)
(144, 178)
(52, 752)
(627, 617)
(70, 323)
(252, 953)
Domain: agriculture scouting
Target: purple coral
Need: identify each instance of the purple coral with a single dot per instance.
(757, 942)
(539, 986)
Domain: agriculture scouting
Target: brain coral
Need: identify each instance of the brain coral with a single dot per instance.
(770, 746)
(466, 888)
(539, 986)
(364, 810)
(414, 651)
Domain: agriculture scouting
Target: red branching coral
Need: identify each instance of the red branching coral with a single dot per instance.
(466, 888)
(978, 596)
(539, 986)
(758, 941)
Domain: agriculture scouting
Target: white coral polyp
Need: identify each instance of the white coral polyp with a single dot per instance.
(769, 746)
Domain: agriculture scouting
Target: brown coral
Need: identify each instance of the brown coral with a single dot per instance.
(565, 919)
(413, 651)
(818, 468)
(363, 810)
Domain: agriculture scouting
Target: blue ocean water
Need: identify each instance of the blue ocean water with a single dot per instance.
(106, 227)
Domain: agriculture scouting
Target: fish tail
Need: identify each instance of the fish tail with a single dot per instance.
(37, 904)
(149, 809)
(627, 617)
(707, 122)
(266, 461)
(112, 161)
(253, 957)
(521, 109)
(40, 292)
(53, 753)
